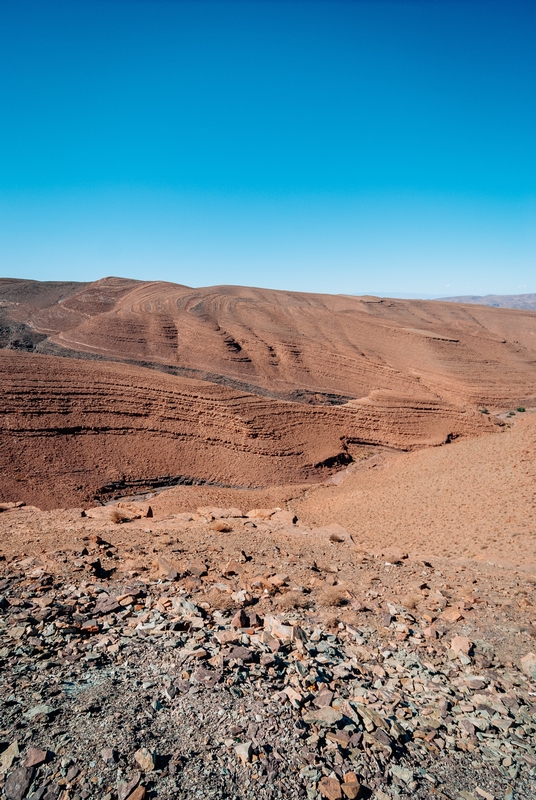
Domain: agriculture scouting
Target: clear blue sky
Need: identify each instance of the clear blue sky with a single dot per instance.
(322, 146)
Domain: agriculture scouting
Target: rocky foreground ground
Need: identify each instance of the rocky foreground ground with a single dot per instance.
(299, 667)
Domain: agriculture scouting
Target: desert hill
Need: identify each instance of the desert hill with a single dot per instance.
(74, 430)
(324, 349)
(526, 302)
(120, 385)
(334, 596)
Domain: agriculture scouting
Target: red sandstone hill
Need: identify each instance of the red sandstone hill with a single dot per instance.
(120, 383)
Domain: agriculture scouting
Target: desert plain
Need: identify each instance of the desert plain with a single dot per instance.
(261, 544)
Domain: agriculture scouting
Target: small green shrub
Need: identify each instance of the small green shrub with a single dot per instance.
(484, 411)
(520, 409)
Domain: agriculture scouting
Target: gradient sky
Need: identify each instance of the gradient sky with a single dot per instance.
(354, 147)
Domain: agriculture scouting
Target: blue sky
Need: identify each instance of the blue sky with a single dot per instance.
(349, 147)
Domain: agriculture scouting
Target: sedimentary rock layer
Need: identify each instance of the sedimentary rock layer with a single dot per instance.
(321, 349)
(119, 385)
(71, 428)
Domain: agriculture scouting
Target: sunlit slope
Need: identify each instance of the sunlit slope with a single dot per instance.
(71, 427)
(312, 348)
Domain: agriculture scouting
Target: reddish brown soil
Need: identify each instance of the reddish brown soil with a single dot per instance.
(464, 514)
(70, 423)
(474, 499)
(296, 345)
(467, 509)
(237, 387)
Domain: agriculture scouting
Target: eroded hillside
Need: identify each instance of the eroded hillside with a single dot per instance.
(120, 385)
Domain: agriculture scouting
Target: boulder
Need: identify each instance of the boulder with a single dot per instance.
(137, 510)
(167, 568)
(351, 786)
(323, 717)
(35, 757)
(330, 788)
(10, 506)
(284, 517)
(451, 615)
(18, 783)
(243, 751)
(146, 759)
(528, 665)
(461, 644)
(8, 756)
(138, 794)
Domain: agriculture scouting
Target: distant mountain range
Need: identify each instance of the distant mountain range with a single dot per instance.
(525, 302)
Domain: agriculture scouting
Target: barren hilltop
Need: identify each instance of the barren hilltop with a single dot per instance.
(263, 545)
(121, 384)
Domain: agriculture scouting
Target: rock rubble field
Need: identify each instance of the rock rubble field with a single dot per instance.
(221, 654)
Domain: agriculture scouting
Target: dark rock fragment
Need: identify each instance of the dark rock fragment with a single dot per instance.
(18, 783)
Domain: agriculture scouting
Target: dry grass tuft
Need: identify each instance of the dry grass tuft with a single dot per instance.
(410, 601)
(191, 584)
(117, 516)
(334, 596)
(336, 538)
(291, 599)
(221, 526)
(220, 601)
(329, 618)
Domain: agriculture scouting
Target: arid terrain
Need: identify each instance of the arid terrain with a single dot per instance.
(527, 302)
(259, 544)
(119, 385)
